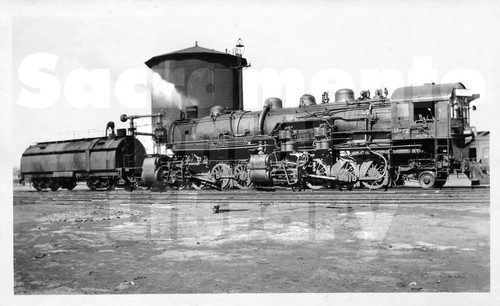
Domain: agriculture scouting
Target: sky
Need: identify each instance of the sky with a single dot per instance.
(309, 44)
(69, 65)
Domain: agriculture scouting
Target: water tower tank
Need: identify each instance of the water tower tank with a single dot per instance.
(196, 79)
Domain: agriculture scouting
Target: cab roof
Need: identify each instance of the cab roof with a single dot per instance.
(425, 93)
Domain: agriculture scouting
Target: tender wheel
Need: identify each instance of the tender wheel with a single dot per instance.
(376, 169)
(426, 179)
(71, 185)
(91, 185)
(54, 186)
(37, 186)
(319, 168)
(111, 185)
(221, 173)
(242, 179)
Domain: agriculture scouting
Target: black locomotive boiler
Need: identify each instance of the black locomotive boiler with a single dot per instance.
(419, 132)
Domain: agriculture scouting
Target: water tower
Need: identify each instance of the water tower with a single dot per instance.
(189, 82)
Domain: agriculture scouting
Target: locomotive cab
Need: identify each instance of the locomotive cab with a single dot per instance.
(433, 121)
(431, 111)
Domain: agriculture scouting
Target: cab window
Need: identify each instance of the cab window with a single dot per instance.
(423, 111)
(403, 112)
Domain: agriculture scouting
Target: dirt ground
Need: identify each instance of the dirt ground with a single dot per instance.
(84, 242)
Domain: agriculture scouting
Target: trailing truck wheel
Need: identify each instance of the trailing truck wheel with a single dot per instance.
(426, 179)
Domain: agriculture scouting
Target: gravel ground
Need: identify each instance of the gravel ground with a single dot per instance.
(105, 245)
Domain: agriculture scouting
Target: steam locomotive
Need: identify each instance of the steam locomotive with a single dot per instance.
(205, 139)
(420, 133)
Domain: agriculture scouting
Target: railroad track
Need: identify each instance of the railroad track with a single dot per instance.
(321, 197)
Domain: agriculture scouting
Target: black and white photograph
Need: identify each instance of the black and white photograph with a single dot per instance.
(249, 152)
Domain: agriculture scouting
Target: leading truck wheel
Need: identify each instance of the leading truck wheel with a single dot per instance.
(426, 179)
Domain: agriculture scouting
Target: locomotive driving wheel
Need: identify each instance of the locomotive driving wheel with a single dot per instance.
(242, 178)
(376, 170)
(221, 173)
(347, 175)
(319, 168)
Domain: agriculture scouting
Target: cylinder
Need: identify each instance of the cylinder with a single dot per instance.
(259, 168)
(261, 161)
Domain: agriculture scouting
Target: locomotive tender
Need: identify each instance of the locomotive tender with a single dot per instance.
(420, 132)
(101, 162)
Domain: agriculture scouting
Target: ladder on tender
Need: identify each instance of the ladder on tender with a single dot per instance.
(442, 157)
